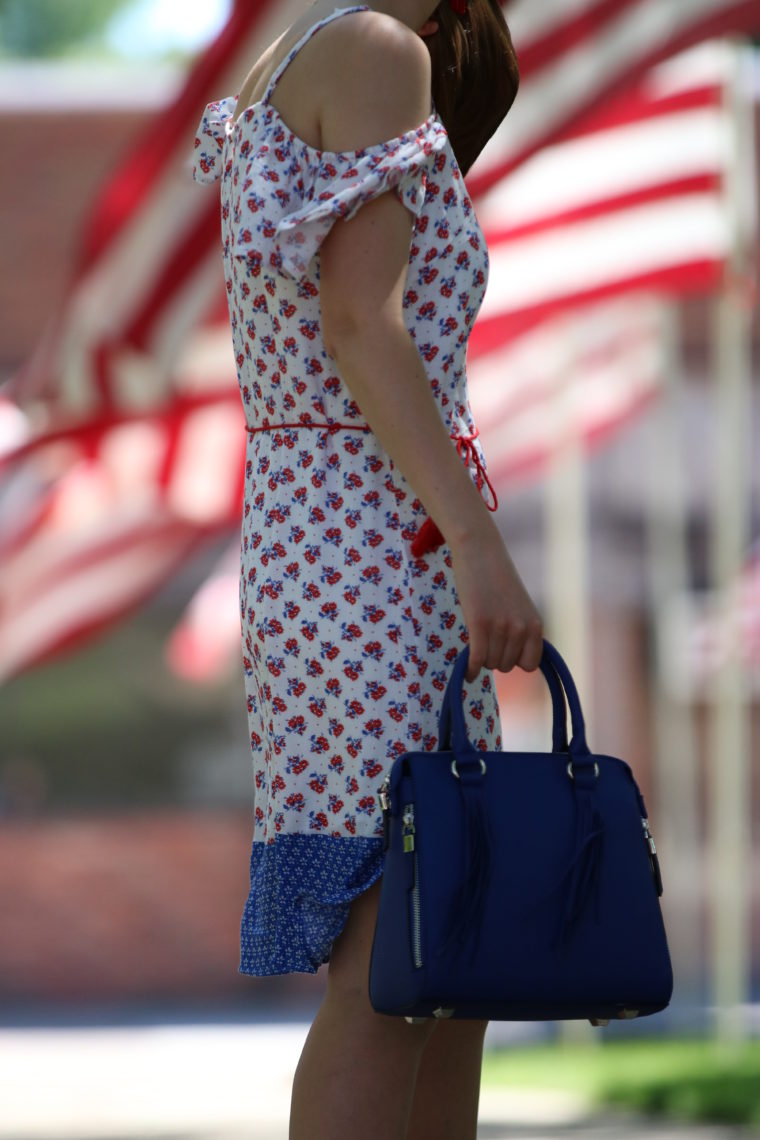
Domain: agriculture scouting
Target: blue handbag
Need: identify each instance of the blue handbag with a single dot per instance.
(518, 886)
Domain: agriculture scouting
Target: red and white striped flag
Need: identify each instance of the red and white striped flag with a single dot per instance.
(95, 521)
(575, 54)
(149, 269)
(148, 289)
(639, 200)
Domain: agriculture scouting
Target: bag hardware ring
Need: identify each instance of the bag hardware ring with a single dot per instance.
(571, 774)
(483, 768)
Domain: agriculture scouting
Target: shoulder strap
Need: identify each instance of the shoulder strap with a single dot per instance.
(276, 75)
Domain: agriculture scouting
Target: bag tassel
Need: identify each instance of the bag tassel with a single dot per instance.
(585, 863)
(427, 539)
(466, 914)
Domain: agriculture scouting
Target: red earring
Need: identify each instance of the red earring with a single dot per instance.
(459, 6)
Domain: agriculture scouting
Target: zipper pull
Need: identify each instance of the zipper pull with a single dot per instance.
(384, 795)
(653, 860)
(407, 831)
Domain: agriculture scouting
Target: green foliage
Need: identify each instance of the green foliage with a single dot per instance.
(706, 1083)
(693, 1080)
(50, 28)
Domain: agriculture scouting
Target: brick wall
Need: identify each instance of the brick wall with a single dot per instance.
(136, 907)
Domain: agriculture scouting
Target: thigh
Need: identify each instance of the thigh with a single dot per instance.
(348, 970)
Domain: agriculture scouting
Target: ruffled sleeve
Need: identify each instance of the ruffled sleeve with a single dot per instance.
(209, 139)
(344, 182)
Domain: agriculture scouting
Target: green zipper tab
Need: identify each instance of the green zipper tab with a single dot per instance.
(407, 831)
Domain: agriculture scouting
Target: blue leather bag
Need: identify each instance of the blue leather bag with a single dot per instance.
(518, 886)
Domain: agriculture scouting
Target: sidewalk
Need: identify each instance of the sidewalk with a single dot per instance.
(227, 1082)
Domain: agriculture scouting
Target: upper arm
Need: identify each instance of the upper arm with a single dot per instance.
(363, 261)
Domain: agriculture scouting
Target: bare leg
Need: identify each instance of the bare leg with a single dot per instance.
(358, 1068)
(448, 1083)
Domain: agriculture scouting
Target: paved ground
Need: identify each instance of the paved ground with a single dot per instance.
(226, 1083)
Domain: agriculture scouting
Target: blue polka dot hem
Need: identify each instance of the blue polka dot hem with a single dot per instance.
(301, 890)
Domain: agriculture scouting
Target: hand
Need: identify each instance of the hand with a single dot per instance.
(504, 626)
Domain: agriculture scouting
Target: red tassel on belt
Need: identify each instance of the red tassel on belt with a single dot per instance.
(429, 537)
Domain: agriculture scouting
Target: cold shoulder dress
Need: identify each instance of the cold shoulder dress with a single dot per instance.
(348, 637)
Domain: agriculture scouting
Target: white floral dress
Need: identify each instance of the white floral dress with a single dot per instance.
(348, 636)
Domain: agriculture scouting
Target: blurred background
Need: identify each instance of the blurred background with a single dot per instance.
(614, 374)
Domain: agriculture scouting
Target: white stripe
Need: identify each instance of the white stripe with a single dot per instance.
(604, 251)
(206, 361)
(206, 476)
(177, 345)
(708, 64)
(609, 163)
(529, 21)
(14, 427)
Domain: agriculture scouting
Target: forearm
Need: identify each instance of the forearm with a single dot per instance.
(382, 368)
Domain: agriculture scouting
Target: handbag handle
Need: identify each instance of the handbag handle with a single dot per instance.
(452, 731)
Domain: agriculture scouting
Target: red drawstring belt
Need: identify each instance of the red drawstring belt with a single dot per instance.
(332, 428)
(428, 537)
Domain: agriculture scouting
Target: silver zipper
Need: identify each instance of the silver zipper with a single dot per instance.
(654, 862)
(408, 834)
(416, 917)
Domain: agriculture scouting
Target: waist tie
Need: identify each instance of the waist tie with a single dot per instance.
(428, 538)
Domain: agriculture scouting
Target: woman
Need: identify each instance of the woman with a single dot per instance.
(355, 268)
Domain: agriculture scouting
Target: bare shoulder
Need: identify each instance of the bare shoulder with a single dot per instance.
(384, 91)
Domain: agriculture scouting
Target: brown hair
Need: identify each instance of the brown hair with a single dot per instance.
(475, 74)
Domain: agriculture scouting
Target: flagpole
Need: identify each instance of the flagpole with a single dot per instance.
(566, 551)
(676, 766)
(729, 729)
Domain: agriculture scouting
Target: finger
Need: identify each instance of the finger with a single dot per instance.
(477, 657)
(507, 661)
(532, 651)
(511, 647)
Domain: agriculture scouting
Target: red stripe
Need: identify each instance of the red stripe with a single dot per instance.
(692, 277)
(127, 189)
(219, 312)
(187, 260)
(166, 468)
(743, 16)
(544, 51)
(640, 106)
(606, 207)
